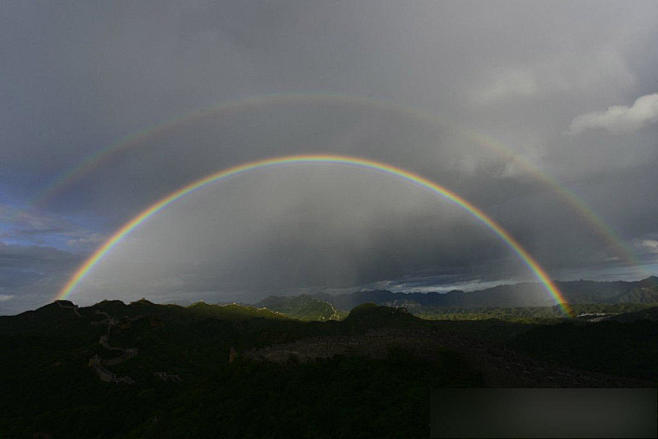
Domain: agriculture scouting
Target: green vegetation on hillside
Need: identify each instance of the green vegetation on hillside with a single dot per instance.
(238, 371)
(303, 307)
(233, 311)
(528, 314)
(49, 386)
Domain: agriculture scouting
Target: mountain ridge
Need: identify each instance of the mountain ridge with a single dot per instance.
(527, 294)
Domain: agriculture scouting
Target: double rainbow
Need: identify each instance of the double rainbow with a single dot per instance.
(103, 155)
(384, 168)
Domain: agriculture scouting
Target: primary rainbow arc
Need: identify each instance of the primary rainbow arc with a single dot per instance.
(527, 259)
(103, 155)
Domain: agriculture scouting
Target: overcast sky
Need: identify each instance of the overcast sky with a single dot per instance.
(568, 91)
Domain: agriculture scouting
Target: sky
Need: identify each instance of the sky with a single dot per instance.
(542, 114)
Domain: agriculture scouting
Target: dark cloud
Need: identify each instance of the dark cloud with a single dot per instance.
(567, 87)
(31, 275)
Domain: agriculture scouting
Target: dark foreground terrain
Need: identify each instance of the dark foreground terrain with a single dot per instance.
(165, 371)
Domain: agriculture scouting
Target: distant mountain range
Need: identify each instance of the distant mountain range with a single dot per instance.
(644, 291)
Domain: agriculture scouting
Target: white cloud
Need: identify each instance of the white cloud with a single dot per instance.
(648, 245)
(5, 297)
(619, 118)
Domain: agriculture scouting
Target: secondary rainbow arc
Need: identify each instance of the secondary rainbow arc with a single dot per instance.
(409, 176)
(99, 157)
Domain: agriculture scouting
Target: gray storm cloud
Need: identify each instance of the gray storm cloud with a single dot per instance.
(78, 77)
(290, 228)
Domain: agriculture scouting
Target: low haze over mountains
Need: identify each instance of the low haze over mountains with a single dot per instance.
(517, 295)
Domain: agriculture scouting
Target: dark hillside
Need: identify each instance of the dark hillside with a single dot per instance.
(145, 370)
